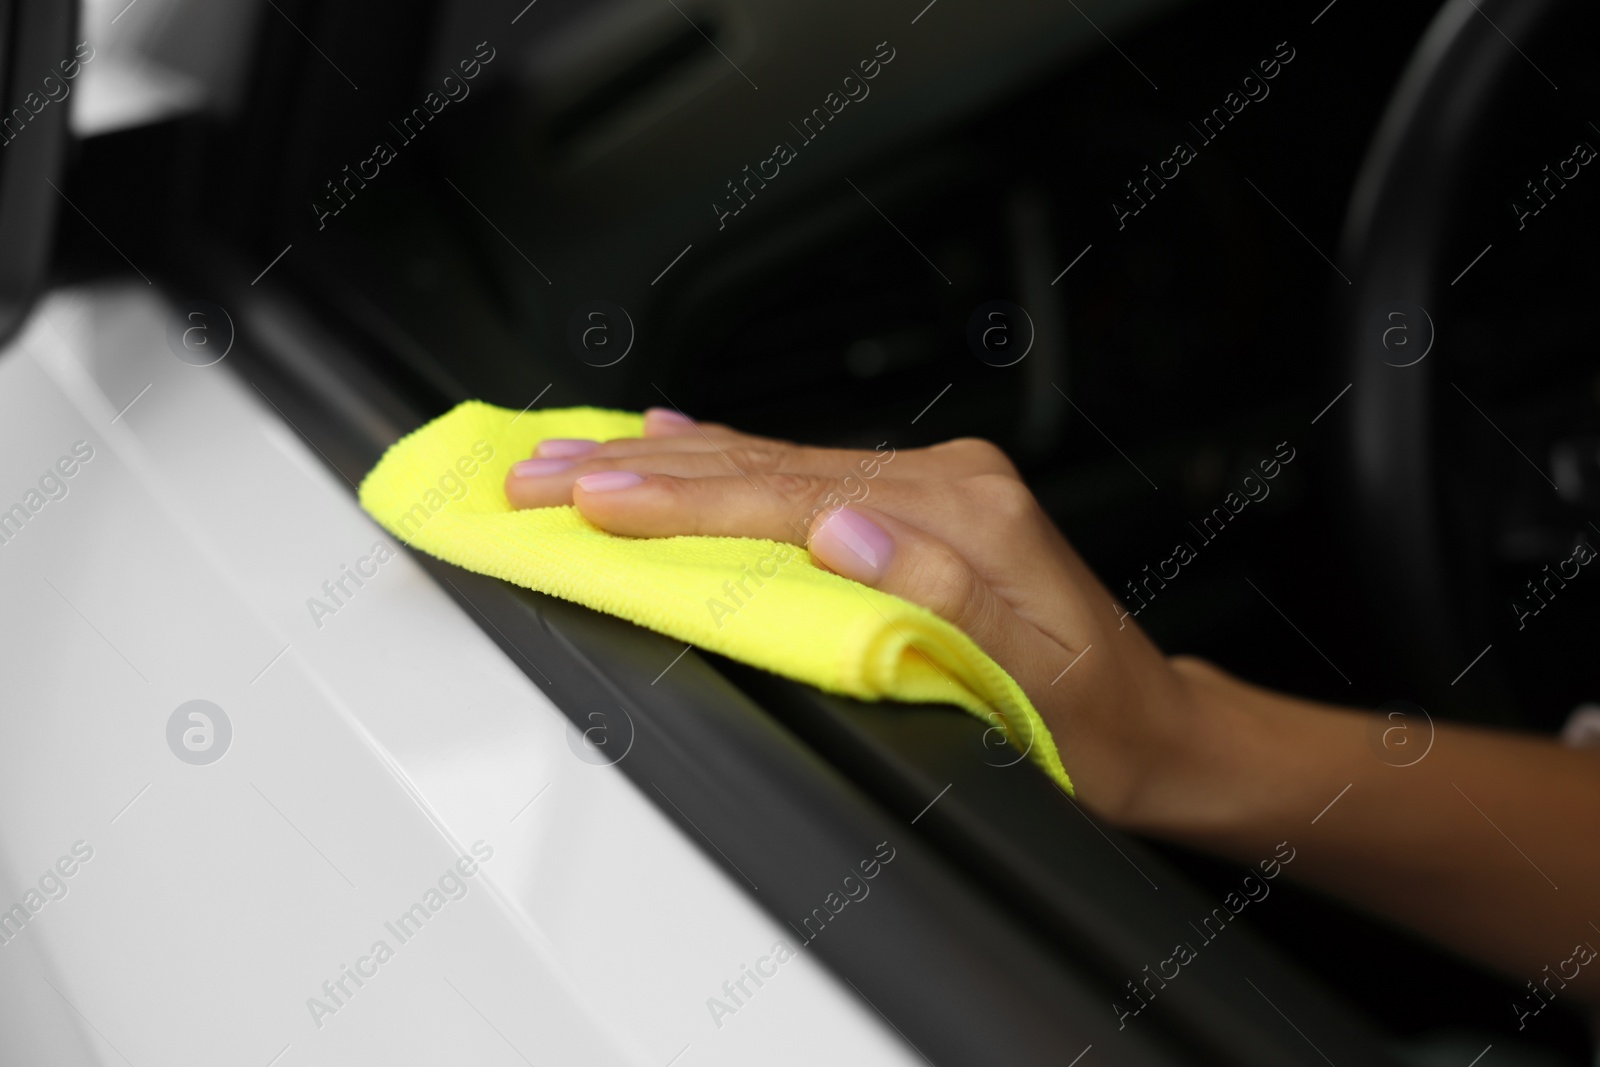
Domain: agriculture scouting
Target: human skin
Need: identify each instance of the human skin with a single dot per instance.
(1486, 844)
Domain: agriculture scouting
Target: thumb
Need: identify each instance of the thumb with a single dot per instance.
(874, 549)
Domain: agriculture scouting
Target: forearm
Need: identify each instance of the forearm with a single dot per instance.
(1490, 844)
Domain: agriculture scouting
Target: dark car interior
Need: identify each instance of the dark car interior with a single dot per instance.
(404, 206)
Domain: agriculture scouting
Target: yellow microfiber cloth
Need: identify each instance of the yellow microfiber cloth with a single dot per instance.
(441, 489)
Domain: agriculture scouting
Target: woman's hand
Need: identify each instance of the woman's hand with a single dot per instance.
(951, 527)
(1455, 844)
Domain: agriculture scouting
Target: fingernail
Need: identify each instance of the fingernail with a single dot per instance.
(665, 422)
(607, 481)
(565, 448)
(849, 543)
(534, 468)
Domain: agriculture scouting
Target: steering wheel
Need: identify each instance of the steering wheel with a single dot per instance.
(1426, 573)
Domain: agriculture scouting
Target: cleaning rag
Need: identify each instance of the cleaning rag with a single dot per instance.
(441, 489)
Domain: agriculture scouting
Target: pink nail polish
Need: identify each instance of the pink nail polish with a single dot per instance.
(607, 481)
(535, 468)
(849, 543)
(565, 448)
(666, 422)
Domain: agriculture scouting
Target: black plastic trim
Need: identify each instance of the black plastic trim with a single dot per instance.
(1107, 902)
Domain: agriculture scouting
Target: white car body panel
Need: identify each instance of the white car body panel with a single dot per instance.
(367, 754)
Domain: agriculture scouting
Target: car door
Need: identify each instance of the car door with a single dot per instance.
(281, 790)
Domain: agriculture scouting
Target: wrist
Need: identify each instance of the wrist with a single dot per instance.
(1243, 757)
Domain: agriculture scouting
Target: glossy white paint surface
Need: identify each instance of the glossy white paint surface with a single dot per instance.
(368, 754)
